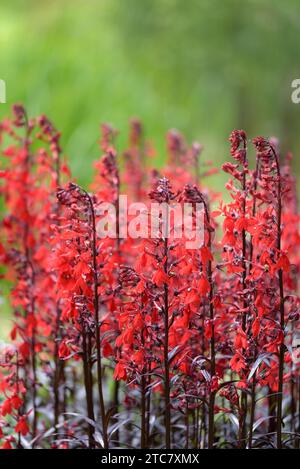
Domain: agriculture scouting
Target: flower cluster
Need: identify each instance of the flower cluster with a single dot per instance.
(125, 341)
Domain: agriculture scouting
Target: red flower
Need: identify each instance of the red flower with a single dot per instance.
(63, 351)
(203, 286)
(138, 357)
(160, 278)
(237, 363)
(6, 407)
(120, 371)
(7, 444)
(256, 327)
(241, 340)
(16, 401)
(22, 426)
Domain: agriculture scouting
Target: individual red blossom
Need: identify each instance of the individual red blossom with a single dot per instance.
(16, 401)
(7, 443)
(238, 363)
(63, 351)
(22, 426)
(203, 286)
(240, 340)
(120, 371)
(160, 278)
(255, 327)
(6, 407)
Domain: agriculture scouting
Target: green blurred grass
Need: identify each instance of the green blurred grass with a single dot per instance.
(203, 67)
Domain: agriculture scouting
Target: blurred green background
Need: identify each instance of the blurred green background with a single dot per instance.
(201, 66)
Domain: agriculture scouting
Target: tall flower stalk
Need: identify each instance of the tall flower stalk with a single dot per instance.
(177, 335)
(162, 193)
(268, 153)
(81, 204)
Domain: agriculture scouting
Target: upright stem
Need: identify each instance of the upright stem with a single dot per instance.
(211, 410)
(298, 398)
(243, 415)
(252, 411)
(281, 295)
(143, 400)
(58, 365)
(32, 279)
(116, 398)
(197, 417)
(57, 371)
(88, 388)
(281, 366)
(19, 445)
(187, 425)
(96, 317)
(143, 412)
(202, 435)
(166, 352)
(32, 342)
(34, 383)
(293, 401)
(253, 387)
(148, 409)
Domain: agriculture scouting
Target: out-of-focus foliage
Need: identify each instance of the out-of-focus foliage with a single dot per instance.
(201, 66)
